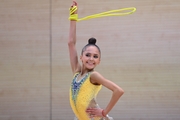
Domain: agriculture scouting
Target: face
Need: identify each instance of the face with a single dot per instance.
(90, 57)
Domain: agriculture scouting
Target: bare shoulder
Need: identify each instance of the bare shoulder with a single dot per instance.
(96, 77)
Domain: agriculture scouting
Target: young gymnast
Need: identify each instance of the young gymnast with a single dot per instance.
(86, 81)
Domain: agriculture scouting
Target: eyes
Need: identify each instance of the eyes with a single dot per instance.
(89, 55)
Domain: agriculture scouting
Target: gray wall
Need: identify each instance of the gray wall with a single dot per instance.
(140, 52)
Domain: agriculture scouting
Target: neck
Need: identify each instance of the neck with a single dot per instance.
(85, 70)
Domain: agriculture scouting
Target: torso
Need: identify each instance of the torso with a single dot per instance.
(82, 92)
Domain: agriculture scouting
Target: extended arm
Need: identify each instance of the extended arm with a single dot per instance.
(72, 45)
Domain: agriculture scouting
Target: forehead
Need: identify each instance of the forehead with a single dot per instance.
(92, 49)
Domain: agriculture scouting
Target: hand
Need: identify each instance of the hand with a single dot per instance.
(94, 112)
(74, 4)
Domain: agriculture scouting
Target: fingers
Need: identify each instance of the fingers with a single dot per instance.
(94, 112)
(90, 110)
(74, 3)
(73, 9)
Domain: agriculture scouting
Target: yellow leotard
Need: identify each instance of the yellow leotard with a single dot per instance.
(82, 95)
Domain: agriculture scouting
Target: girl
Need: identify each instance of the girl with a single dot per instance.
(86, 81)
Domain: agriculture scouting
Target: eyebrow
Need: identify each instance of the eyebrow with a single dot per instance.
(91, 53)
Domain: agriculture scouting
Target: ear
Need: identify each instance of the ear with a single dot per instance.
(80, 57)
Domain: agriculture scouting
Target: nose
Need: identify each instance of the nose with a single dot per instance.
(92, 58)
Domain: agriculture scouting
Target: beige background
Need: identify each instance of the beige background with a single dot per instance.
(140, 52)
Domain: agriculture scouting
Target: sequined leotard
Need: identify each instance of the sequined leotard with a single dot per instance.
(83, 95)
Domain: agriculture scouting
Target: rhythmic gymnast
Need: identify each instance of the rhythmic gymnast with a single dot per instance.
(86, 81)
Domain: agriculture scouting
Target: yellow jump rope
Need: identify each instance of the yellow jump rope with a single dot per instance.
(117, 12)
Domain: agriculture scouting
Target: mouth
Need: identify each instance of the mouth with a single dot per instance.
(90, 63)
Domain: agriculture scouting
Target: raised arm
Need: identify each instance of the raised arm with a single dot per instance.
(72, 44)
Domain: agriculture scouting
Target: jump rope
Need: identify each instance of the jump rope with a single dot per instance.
(117, 12)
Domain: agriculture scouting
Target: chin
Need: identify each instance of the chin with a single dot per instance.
(90, 69)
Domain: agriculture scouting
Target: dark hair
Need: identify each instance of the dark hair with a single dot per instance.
(91, 42)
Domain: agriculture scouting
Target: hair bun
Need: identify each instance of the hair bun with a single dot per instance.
(92, 41)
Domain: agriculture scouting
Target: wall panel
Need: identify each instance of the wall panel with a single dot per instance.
(140, 52)
(24, 60)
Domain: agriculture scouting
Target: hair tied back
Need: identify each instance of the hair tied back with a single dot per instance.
(92, 41)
